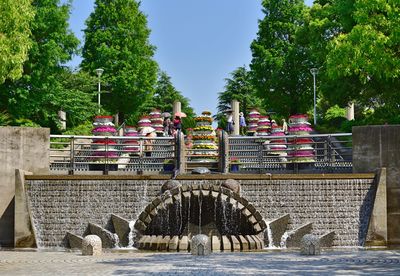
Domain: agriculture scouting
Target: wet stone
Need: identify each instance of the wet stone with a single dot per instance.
(232, 185)
(170, 185)
(201, 170)
(310, 245)
(91, 246)
(200, 245)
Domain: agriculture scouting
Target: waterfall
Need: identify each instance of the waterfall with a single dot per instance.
(116, 238)
(270, 238)
(284, 239)
(132, 234)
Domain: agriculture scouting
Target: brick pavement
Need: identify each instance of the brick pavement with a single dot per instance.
(349, 262)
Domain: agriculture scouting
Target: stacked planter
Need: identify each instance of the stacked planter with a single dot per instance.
(254, 116)
(264, 126)
(204, 147)
(144, 122)
(157, 122)
(301, 149)
(103, 126)
(278, 146)
(131, 145)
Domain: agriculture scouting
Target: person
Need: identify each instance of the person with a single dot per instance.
(242, 123)
(148, 143)
(177, 124)
(284, 126)
(167, 126)
(229, 127)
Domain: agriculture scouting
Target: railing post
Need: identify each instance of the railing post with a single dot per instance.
(223, 148)
(72, 156)
(105, 172)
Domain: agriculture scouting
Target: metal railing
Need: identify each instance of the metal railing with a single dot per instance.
(109, 153)
(270, 154)
(326, 153)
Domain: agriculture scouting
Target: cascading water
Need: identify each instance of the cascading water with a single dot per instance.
(132, 234)
(284, 239)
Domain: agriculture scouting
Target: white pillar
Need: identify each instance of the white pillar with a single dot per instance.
(176, 108)
(350, 111)
(63, 119)
(235, 114)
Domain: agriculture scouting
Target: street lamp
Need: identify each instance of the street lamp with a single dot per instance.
(99, 72)
(314, 72)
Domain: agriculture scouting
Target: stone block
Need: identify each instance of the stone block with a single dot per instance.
(326, 240)
(235, 243)
(91, 246)
(173, 244)
(201, 170)
(164, 243)
(226, 244)
(169, 185)
(244, 244)
(74, 241)
(122, 229)
(232, 185)
(215, 244)
(200, 245)
(277, 227)
(310, 245)
(251, 242)
(183, 244)
(109, 240)
(295, 236)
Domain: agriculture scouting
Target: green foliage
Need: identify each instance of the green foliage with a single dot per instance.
(117, 40)
(280, 65)
(23, 122)
(84, 129)
(15, 41)
(39, 93)
(335, 112)
(5, 119)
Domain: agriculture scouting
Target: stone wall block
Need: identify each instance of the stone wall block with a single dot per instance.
(91, 246)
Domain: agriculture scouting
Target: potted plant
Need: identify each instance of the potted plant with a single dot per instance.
(168, 165)
(235, 164)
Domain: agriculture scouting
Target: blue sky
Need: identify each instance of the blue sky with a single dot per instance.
(198, 42)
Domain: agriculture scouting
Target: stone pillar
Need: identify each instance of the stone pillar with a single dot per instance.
(235, 114)
(180, 153)
(223, 149)
(350, 112)
(177, 108)
(375, 147)
(63, 119)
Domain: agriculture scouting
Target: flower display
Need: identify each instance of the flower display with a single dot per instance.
(103, 148)
(204, 145)
(301, 149)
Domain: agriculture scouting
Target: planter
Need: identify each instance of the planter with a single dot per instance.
(168, 167)
(234, 167)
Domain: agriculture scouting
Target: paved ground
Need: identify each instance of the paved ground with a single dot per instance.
(349, 262)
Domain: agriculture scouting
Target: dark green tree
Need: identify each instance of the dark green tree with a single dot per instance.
(357, 43)
(280, 65)
(15, 41)
(39, 93)
(238, 87)
(117, 40)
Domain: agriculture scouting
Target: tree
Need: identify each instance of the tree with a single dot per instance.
(280, 65)
(240, 88)
(358, 44)
(117, 40)
(15, 41)
(39, 94)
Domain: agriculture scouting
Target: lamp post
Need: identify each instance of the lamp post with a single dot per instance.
(99, 72)
(314, 72)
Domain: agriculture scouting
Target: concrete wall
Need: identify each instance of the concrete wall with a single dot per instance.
(20, 148)
(375, 147)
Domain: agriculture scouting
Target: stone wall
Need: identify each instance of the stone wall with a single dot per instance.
(69, 204)
(20, 148)
(375, 147)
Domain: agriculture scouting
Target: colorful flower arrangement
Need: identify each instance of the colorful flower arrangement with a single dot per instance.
(203, 128)
(206, 112)
(203, 137)
(203, 119)
(100, 129)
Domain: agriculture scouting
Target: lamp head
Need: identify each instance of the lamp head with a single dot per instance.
(314, 71)
(99, 71)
